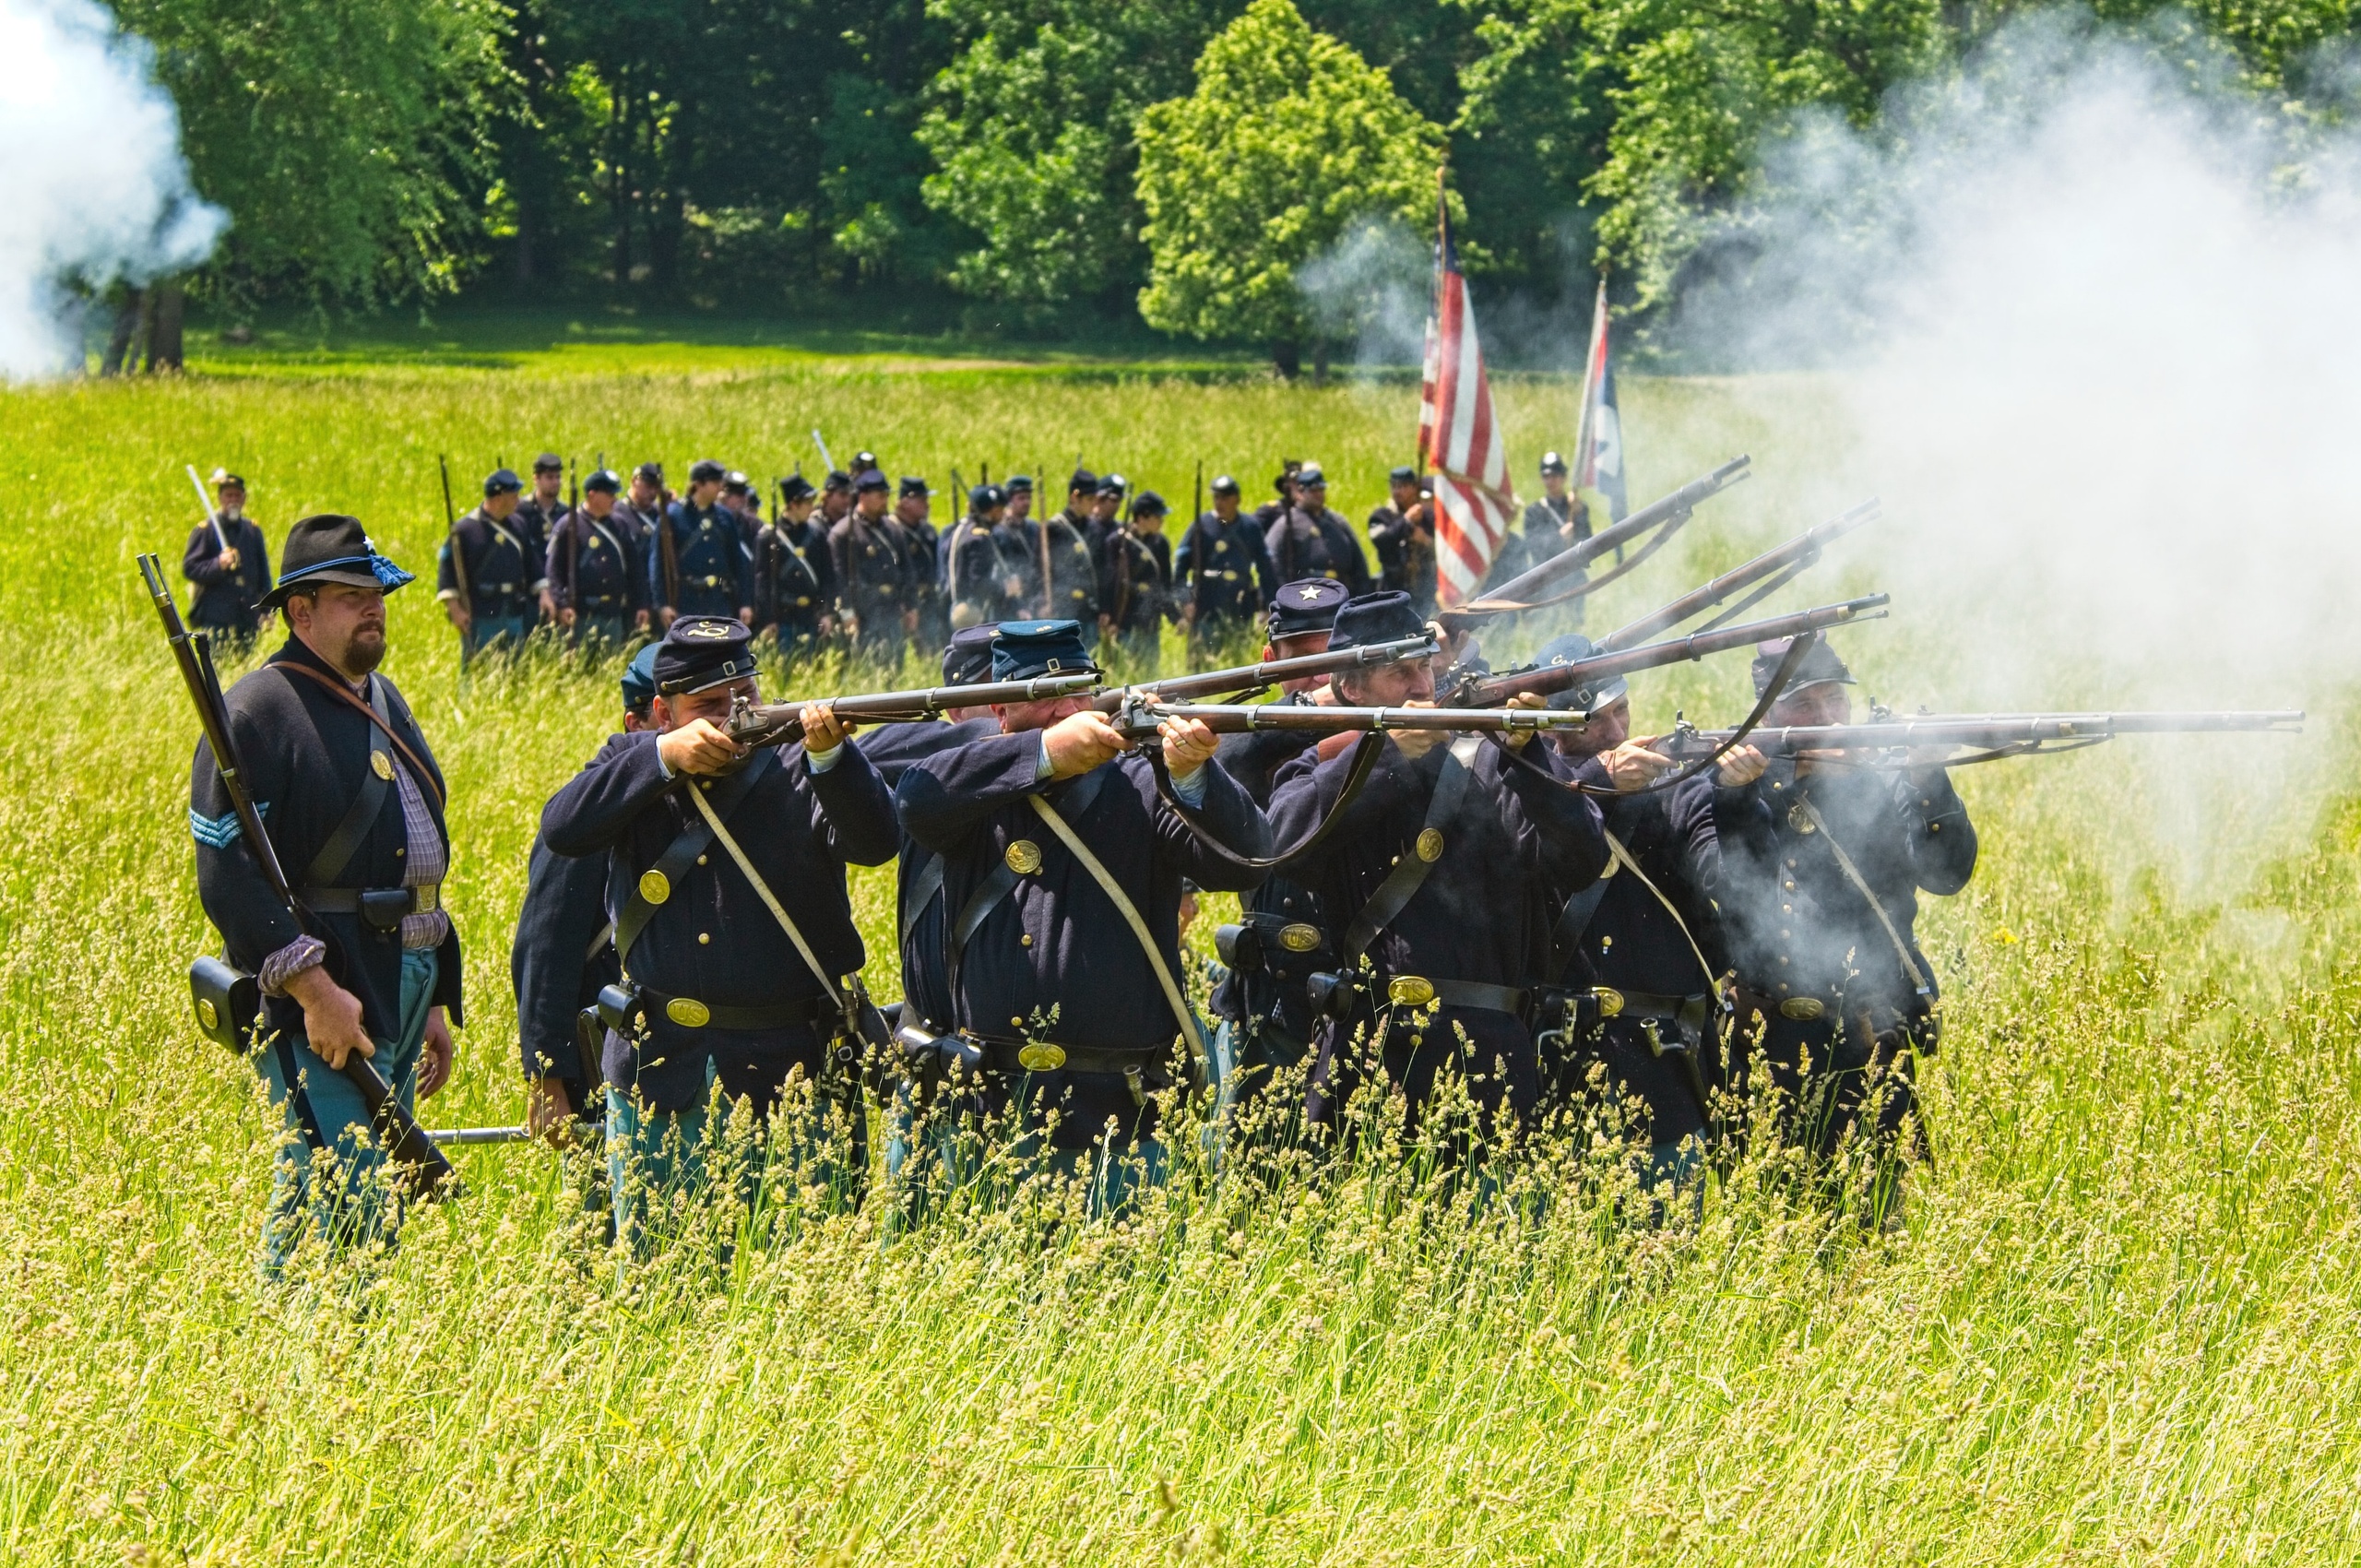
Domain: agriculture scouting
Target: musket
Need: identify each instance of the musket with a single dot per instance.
(822, 446)
(1527, 591)
(204, 505)
(451, 538)
(410, 1145)
(1995, 734)
(1781, 565)
(1249, 679)
(781, 723)
(1141, 715)
(1545, 680)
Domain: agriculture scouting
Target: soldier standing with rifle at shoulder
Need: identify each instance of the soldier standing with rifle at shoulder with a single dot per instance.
(1068, 561)
(491, 576)
(870, 574)
(795, 574)
(1229, 573)
(1137, 587)
(643, 508)
(1310, 540)
(1404, 533)
(350, 794)
(697, 562)
(595, 577)
(540, 514)
(229, 561)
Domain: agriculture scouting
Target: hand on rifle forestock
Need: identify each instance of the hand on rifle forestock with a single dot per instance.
(1517, 740)
(823, 730)
(1188, 743)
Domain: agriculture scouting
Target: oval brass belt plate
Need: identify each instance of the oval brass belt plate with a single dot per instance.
(208, 1015)
(1409, 991)
(382, 766)
(1802, 1009)
(1040, 1056)
(1430, 844)
(655, 886)
(1298, 937)
(1610, 1001)
(688, 1012)
(1024, 857)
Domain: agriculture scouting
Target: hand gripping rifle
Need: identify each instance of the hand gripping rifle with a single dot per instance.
(1547, 680)
(228, 1003)
(1532, 590)
(1766, 575)
(1887, 741)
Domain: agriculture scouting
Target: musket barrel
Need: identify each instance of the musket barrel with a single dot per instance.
(1995, 730)
(1549, 678)
(1664, 509)
(1272, 672)
(1227, 718)
(778, 723)
(1800, 548)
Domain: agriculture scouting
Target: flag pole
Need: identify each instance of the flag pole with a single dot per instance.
(1586, 426)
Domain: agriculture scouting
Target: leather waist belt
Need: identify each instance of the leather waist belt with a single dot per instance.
(349, 900)
(691, 1014)
(1614, 1002)
(1417, 991)
(1044, 1056)
(1795, 1009)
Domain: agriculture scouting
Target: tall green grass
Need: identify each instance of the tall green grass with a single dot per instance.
(2119, 1323)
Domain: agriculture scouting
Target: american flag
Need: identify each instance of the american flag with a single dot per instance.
(1460, 437)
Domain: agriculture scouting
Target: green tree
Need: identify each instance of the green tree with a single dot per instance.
(350, 143)
(1288, 139)
(1032, 126)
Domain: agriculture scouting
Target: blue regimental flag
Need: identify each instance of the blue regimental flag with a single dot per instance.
(1598, 461)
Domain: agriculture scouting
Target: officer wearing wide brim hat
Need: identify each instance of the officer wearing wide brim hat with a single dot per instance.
(1068, 1010)
(725, 997)
(1437, 874)
(1827, 973)
(491, 588)
(229, 561)
(354, 803)
(563, 954)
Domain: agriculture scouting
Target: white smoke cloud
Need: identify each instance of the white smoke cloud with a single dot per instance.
(1370, 290)
(2098, 313)
(92, 183)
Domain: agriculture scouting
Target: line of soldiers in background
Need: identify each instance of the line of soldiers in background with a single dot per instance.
(860, 561)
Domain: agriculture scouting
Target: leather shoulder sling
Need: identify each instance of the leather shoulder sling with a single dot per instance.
(680, 854)
(1584, 905)
(987, 894)
(1861, 886)
(1411, 871)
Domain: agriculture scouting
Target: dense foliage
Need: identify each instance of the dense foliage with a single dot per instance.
(786, 153)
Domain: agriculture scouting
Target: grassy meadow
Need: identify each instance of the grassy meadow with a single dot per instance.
(2119, 1323)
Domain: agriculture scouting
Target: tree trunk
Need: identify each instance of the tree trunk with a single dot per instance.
(523, 242)
(1287, 355)
(126, 323)
(1319, 347)
(164, 349)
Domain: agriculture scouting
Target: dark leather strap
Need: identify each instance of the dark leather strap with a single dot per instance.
(359, 818)
(378, 685)
(346, 900)
(1411, 871)
(1574, 919)
(925, 888)
(682, 852)
(1479, 995)
(779, 1015)
(1006, 1056)
(1002, 881)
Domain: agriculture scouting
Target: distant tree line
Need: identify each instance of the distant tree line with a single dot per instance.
(1171, 161)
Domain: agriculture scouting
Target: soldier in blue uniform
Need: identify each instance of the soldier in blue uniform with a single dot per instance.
(795, 574)
(1226, 572)
(1440, 874)
(542, 511)
(1822, 862)
(506, 570)
(921, 547)
(229, 563)
(563, 954)
(1064, 968)
(1553, 524)
(873, 576)
(353, 801)
(1648, 929)
(699, 562)
(1282, 938)
(1403, 531)
(643, 505)
(597, 579)
(1072, 561)
(1135, 589)
(737, 975)
(985, 567)
(1310, 540)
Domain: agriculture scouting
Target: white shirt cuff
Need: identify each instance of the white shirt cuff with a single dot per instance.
(1190, 786)
(820, 762)
(1043, 766)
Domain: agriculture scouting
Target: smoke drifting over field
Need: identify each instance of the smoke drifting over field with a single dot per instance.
(93, 183)
(2099, 323)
